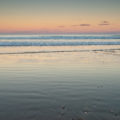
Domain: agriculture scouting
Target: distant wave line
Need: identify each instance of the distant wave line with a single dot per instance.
(63, 37)
(79, 43)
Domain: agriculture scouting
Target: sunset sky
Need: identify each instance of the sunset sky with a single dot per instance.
(59, 16)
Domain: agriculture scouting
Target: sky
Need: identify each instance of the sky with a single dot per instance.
(59, 16)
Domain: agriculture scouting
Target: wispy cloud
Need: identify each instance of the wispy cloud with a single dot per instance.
(83, 25)
(104, 23)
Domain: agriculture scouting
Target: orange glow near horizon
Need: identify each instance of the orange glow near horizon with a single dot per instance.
(59, 16)
(26, 25)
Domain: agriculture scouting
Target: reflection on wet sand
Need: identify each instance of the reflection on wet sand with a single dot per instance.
(60, 85)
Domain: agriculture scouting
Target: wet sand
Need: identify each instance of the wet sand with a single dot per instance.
(60, 85)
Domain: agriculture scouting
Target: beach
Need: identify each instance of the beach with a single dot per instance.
(60, 82)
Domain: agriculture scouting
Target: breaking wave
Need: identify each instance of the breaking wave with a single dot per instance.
(59, 37)
(58, 40)
(57, 43)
